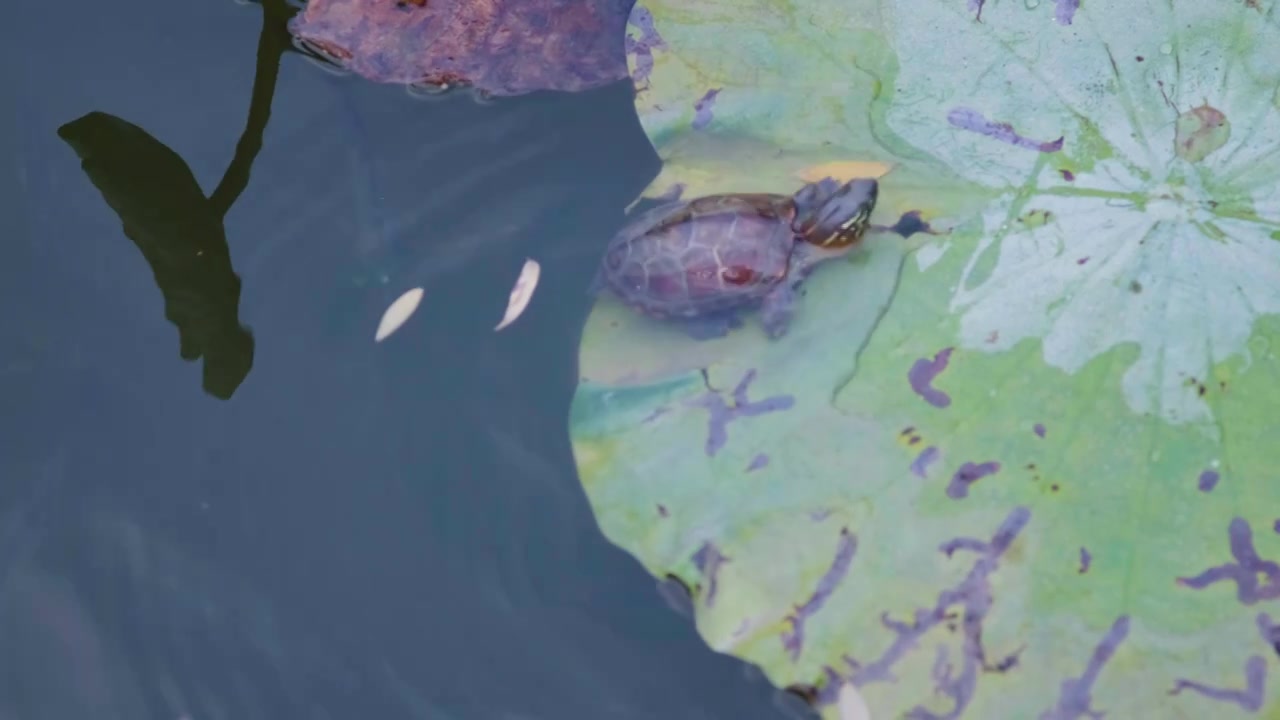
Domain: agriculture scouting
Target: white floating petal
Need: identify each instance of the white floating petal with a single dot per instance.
(851, 705)
(398, 313)
(521, 293)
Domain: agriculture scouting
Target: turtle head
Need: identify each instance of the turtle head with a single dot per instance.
(831, 215)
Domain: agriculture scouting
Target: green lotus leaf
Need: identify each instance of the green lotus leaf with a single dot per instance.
(1016, 456)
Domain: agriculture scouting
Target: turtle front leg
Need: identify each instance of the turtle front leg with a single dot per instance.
(777, 309)
(710, 327)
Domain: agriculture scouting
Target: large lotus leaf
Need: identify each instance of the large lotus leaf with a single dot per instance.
(498, 47)
(1015, 458)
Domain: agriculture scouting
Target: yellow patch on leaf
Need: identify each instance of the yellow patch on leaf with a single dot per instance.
(844, 171)
(593, 458)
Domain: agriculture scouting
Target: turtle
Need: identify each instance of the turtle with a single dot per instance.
(701, 261)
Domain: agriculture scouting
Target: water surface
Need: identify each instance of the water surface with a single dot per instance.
(356, 530)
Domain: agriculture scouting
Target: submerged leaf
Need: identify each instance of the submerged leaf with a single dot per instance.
(521, 292)
(398, 313)
(989, 432)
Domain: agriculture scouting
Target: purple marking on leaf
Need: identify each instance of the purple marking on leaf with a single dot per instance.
(1250, 698)
(941, 665)
(1075, 694)
(968, 474)
(1085, 560)
(972, 120)
(643, 46)
(927, 456)
(1208, 481)
(758, 462)
(829, 691)
(950, 547)
(793, 640)
(721, 414)
(1269, 631)
(1244, 571)
(1038, 429)
(643, 62)
(642, 20)
(1068, 175)
(957, 687)
(702, 109)
(708, 561)
(974, 593)
(1275, 526)
(922, 374)
(659, 412)
(1065, 11)
(975, 7)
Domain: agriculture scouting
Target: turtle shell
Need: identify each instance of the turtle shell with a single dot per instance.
(707, 255)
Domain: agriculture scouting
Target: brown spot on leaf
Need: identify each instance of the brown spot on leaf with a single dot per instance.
(1199, 132)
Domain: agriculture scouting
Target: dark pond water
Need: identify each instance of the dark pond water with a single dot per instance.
(359, 530)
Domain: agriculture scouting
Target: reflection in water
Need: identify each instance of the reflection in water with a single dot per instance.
(365, 526)
(180, 235)
(180, 231)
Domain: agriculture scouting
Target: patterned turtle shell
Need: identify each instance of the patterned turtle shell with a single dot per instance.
(687, 259)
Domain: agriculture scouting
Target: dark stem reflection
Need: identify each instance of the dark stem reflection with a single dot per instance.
(179, 231)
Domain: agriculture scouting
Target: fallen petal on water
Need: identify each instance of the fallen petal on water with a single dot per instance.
(521, 293)
(851, 704)
(398, 313)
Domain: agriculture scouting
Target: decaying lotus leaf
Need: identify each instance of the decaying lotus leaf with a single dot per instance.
(498, 47)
